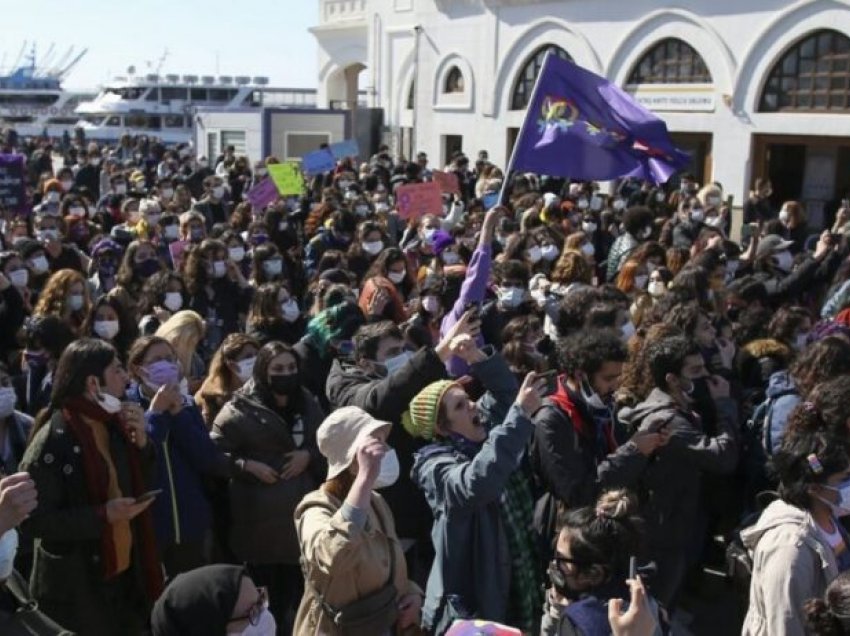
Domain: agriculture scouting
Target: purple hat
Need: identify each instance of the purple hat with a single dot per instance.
(106, 245)
(441, 240)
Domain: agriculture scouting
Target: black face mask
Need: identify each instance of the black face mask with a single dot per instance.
(703, 402)
(286, 385)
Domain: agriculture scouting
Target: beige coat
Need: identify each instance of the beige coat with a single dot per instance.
(342, 560)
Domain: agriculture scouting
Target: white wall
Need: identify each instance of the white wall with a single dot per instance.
(250, 122)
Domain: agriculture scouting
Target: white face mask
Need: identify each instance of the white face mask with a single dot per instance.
(784, 216)
(173, 301)
(596, 203)
(397, 277)
(372, 247)
(659, 196)
(511, 296)
(218, 192)
(236, 254)
(8, 398)
(389, 472)
(550, 252)
(219, 269)
(713, 201)
(273, 267)
(645, 233)
(591, 397)
(583, 204)
(697, 215)
(107, 402)
(450, 258)
(266, 626)
(77, 211)
(8, 551)
(19, 277)
(171, 232)
(397, 362)
(842, 508)
(47, 235)
(39, 264)
(588, 249)
(290, 310)
(619, 204)
(121, 189)
(106, 329)
(588, 228)
(67, 185)
(431, 304)
(657, 288)
(52, 197)
(640, 281)
(166, 193)
(535, 254)
(75, 302)
(245, 368)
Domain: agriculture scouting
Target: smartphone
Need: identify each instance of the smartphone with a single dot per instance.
(632, 568)
(551, 378)
(146, 496)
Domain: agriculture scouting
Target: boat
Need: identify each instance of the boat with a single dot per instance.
(163, 106)
(32, 100)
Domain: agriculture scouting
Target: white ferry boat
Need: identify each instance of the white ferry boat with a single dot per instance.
(33, 102)
(164, 106)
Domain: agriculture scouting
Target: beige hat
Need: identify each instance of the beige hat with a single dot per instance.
(339, 434)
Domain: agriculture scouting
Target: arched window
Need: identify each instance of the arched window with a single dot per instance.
(670, 61)
(812, 75)
(410, 95)
(454, 81)
(528, 75)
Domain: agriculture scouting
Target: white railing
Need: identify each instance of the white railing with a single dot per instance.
(343, 10)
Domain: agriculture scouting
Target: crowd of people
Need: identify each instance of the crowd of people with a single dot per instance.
(321, 418)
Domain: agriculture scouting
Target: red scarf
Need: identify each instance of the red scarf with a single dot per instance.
(97, 481)
(562, 399)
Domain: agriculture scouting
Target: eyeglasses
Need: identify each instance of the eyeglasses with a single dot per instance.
(256, 610)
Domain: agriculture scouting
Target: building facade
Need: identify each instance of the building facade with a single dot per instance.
(750, 87)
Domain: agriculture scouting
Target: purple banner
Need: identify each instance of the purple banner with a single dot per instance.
(262, 194)
(13, 195)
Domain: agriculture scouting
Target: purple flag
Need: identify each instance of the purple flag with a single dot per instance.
(262, 194)
(582, 126)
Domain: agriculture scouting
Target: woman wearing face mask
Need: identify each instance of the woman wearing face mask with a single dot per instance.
(214, 599)
(423, 328)
(13, 305)
(268, 429)
(791, 326)
(108, 321)
(66, 296)
(659, 279)
(140, 262)
(792, 216)
(236, 251)
(481, 500)
(591, 567)
(267, 265)
(638, 227)
(96, 569)
(392, 265)
(185, 332)
(217, 291)
(633, 278)
(163, 294)
(799, 544)
(15, 425)
(371, 241)
(347, 533)
(106, 256)
(186, 456)
(231, 367)
(275, 315)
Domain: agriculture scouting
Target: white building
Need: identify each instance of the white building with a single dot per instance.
(750, 87)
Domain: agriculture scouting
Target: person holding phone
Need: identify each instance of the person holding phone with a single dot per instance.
(474, 480)
(96, 568)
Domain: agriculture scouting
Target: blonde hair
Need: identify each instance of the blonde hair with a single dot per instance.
(707, 191)
(184, 330)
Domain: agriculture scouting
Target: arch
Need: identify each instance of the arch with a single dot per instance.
(454, 81)
(786, 28)
(457, 65)
(401, 87)
(812, 74)
(681, 25)
(342, 58)
(544, 31)
(670, 61)
(525, 79)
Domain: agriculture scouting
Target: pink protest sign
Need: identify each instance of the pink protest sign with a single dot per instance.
(447, 181)
(418, 199)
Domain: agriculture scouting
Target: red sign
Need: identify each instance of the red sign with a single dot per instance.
(447, 181)
(419, 199)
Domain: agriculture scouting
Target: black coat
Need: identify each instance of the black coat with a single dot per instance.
(387, 398)
(67, 578)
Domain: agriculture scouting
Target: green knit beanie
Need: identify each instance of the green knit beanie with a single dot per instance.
(421, 419)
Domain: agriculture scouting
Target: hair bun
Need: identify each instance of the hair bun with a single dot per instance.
(617, 504)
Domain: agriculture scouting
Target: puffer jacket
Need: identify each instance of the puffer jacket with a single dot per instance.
(791, 563)
(262, 530)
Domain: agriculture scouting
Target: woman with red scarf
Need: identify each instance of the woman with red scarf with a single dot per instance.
(95, 568)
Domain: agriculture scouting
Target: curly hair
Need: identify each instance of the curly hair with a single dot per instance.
(820, 362)
(785, 323)
(154, 290)
(53, 299)
(826, 407)
(587, 350)
(636, 382)
(828, 616)
(572, 267)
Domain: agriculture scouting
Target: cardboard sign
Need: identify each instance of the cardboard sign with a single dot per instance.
(344, 149)
(262, 194)
(317, 162)
(447, 181)
(418, 199)
(287, 178)
(13, 194)
(176, 250)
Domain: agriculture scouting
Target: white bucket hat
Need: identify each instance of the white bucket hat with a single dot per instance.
(339, 435)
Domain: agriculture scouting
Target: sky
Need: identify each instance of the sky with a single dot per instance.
(212, 37)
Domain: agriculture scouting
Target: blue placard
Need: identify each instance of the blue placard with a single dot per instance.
(317, 162)
(347, 148)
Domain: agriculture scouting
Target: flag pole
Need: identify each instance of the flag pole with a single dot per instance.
(510, 167)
